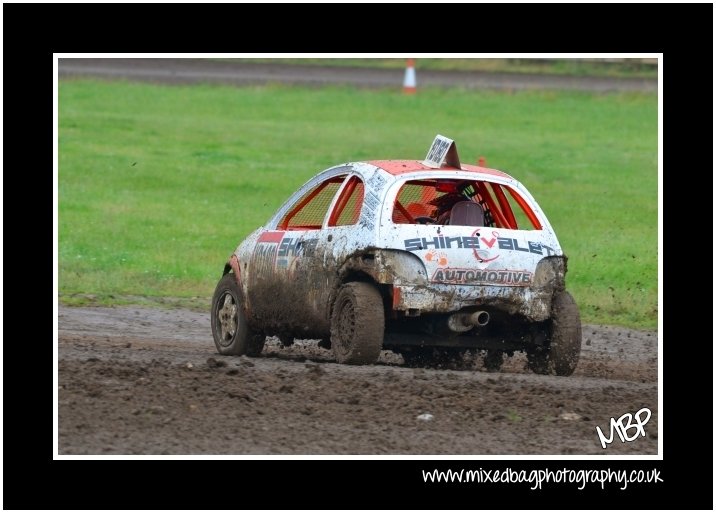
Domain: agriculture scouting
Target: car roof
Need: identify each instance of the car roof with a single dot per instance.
(398, 167)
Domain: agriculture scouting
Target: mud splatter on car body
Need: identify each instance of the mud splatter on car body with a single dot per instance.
(461, 257)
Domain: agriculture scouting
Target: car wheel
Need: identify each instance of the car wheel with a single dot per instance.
(560, 355)
(357, 324)
(232, 334)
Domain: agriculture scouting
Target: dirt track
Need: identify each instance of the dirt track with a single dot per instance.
(136, 380)
(192, 71)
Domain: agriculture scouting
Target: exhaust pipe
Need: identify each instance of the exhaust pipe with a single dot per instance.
(462, 322)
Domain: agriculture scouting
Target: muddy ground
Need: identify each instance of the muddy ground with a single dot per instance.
(136, 380)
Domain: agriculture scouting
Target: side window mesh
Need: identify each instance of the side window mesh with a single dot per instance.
(311, 209)
(348, 207)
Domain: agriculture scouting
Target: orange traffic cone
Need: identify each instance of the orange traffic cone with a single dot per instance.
(409, 86)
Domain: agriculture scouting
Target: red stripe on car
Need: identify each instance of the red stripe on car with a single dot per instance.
(274, 237)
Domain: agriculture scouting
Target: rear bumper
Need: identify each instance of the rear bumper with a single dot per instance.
(533, 303)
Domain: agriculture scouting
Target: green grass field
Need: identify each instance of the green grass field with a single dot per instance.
(158, 184)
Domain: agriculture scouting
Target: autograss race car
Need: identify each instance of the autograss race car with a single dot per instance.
(427, 258)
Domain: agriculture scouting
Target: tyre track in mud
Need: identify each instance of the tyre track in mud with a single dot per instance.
(136, 380)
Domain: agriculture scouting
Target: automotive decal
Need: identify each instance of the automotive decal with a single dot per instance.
(481, 255)
(504, 243)
(434, 256)
(441, 242)
(297, 247)
(263, 258)
(370, 205)
(488, 242)
(291, 250)
(376, 181)
(477, 277)
(513, 245)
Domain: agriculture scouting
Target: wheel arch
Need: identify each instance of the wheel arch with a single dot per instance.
(381, 267)
(232, 266)
(350, 274)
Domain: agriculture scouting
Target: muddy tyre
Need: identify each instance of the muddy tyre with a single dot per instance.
(232, 334)
(560, 355)
(357, 324)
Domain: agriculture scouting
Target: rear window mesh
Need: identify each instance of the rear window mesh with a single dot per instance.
(502, 206)
(414, 198)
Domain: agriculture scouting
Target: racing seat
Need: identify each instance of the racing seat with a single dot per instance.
(467, 213)
(418, 210)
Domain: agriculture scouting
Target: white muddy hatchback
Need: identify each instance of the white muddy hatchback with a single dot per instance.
(427, 258)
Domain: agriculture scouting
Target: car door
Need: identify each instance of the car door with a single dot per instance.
(322, 253)
(285, 273)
